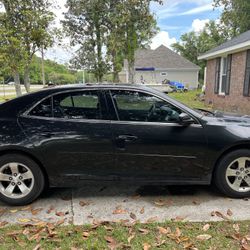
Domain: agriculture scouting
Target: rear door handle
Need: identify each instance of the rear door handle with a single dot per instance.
(127, 138)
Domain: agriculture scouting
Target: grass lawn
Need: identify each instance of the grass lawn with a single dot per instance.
(190, 99)
(169, 235)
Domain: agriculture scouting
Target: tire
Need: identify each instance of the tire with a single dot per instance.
(29, 178)
(229, 176)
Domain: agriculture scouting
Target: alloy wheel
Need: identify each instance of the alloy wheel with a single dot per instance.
(16, 180)
(238, 175)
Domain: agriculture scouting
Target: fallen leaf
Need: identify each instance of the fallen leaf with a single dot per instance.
(206, 227)
(24, 220)
(131, 238)
(120, 211)
(178, 219)
(85, 235)
(204, 237)
(133, 216)
(236, 227)
(37, 247)
(3, 223)
(36, 211)
(142, 211)
(143, 231)
(146, 246)
(14, 211)
(152, 219)
(111, 242)
(245, 246)
(60, 214)
(229, 212)
(26, 208)
(196, 202)
(178, 232)
(160, 203)
(84, 203)
(163, 230)
(219, 214)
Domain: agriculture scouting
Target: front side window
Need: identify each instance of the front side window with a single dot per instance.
(137, 106)
(78, 105)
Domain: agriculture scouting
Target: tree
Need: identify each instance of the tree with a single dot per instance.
(29, 21)
(108, 32)
(235, 15)
(86, 25)
(12, 53)
(193, 44)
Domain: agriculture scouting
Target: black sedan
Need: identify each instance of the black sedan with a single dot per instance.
(67, 136)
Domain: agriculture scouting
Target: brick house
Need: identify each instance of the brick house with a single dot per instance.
(228, 75)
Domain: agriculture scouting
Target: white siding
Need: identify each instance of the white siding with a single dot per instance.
(188, 77)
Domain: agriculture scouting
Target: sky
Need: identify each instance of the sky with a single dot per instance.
(174, 18)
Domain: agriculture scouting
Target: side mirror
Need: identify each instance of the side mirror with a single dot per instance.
(185, 119)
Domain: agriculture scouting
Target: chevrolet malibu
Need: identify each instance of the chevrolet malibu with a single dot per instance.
(67, 136)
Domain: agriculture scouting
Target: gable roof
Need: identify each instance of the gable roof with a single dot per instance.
(239, 43)
(162, 58)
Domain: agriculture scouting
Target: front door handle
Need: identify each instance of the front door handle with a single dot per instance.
(127, 138)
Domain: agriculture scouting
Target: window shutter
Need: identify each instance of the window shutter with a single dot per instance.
(247, 76)
(228, 77)
(217, 76)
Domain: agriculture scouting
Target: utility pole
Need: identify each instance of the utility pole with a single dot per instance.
(43, 73)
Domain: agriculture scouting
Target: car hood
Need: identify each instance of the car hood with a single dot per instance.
(229, 119)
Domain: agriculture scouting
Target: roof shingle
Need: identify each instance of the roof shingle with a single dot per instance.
(161, 58)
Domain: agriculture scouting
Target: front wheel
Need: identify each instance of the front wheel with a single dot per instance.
(21, 180)
(232, 175)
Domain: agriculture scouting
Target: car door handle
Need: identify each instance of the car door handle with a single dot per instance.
(127, 138)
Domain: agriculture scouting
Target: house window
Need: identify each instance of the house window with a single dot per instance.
(246, 91)
(223, 76)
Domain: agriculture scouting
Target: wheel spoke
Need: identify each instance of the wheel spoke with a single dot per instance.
(247, 181)
(242, 163)
(5, 177)
(9, 190)
(27, 175)
(14, 168)
(237, 183)
(23, 188)
(232, 172)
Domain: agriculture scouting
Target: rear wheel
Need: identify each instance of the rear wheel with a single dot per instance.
(21, 179)
(232, 175)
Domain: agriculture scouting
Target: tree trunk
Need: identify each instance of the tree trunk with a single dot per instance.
(27, 78)
(131, 72)
(17, 83)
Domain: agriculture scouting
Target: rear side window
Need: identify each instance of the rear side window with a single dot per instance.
(44, 109)
(78, 105)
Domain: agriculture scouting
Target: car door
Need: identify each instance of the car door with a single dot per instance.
(150, 141)
(72, 132)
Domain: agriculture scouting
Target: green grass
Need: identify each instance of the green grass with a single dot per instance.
(190, 99)
(105, 236)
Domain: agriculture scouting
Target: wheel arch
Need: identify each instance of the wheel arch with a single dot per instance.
(31, 156)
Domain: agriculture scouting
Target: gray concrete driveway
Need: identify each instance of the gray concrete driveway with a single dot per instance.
(129, 203)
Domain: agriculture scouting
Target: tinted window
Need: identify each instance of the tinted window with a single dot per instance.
(78, 105)
(44, 109)
(137, 106)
